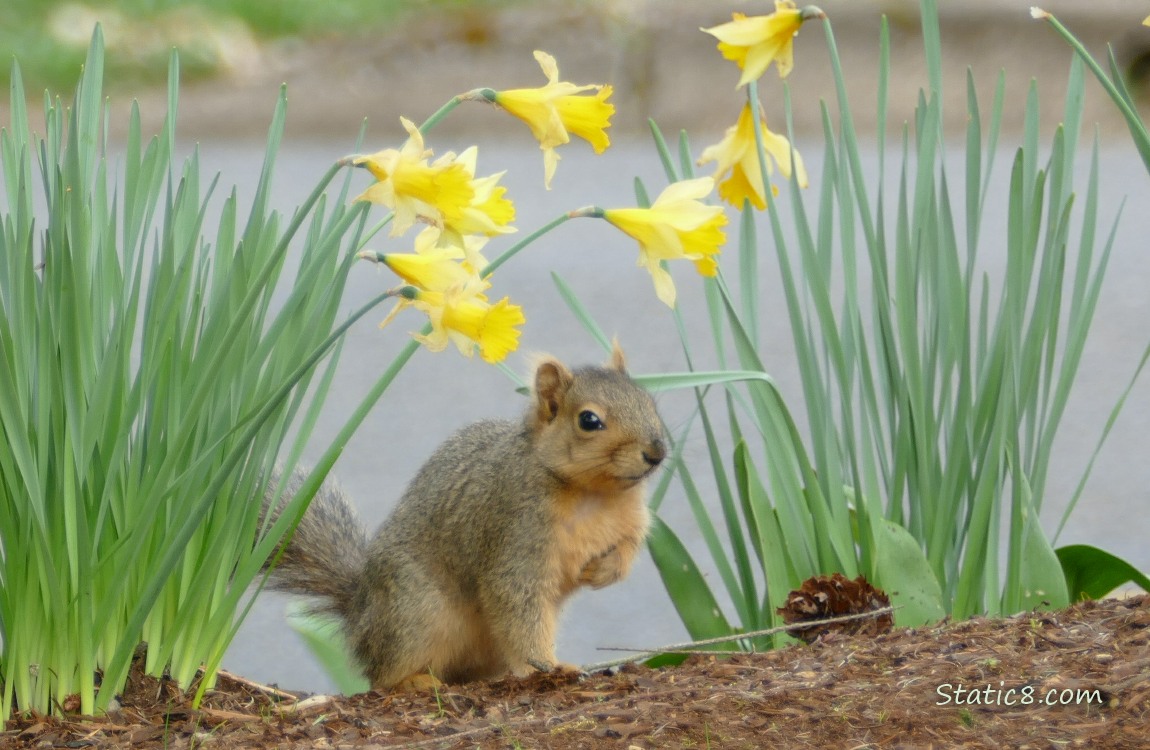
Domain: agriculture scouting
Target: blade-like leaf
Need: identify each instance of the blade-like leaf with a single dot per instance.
(1092, 573)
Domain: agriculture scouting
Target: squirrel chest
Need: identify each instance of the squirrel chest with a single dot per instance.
(589, 526)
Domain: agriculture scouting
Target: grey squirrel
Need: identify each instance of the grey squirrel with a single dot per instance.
(466, 578)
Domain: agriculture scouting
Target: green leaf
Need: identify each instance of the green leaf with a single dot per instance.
(1092, 573)
(666, 660)
(664, 152)
(689, 591)
(582, 314)
(669, 381)
(1042, 582)
(1114, 88)
(768, 535)
(901, 569)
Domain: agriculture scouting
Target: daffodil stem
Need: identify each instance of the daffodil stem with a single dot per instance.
(375, 230)
(370, 400)
(439, 114)
(512, 251)
(587, 212)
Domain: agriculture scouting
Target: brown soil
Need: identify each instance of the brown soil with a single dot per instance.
(899, 689)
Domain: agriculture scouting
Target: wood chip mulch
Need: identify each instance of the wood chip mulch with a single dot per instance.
(1074, 678)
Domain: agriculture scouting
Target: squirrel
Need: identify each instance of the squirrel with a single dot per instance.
(466, 578)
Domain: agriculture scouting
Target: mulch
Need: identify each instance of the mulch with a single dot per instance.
(1079, 677)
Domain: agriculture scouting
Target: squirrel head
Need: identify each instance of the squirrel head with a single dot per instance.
(595, 428)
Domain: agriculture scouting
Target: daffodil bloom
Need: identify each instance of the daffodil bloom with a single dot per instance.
(1146, 21)
(677, 225)
(738, 155)
(555, 111)
(414, 189)
(467, 249)
(435, 269)
(755, 42)
(463, 316)
(488, 213)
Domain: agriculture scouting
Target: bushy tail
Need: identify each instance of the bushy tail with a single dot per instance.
(324, 557)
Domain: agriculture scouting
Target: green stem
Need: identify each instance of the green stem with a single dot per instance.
(374, 231)
(757, 119)
(439, 114)
(305, 209)
(514, 249)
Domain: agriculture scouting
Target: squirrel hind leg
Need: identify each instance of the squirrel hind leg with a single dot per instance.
(396, 656)
(416, 646)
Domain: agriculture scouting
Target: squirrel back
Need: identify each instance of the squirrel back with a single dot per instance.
(465, 579)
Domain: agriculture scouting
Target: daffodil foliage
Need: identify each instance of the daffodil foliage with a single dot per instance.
(931, 404)
(149, 384)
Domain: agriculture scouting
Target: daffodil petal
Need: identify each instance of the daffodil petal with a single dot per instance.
(549, 66)
(550, 163)
(741, 185)
(664, 284)
(555, 111)
(753, 43)
(780, 150)
(685, 190)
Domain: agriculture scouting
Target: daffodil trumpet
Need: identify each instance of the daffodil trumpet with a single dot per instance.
(462, 315)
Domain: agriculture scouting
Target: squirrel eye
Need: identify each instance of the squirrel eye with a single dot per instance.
(589, 421)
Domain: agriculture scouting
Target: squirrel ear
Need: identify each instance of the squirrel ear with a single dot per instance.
(552, 380)
(618, 361)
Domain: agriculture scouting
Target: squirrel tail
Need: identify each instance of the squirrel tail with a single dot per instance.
(324, 558)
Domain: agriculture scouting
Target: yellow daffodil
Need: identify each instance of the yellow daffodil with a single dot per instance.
(435, 269)
(755, 42)
(444, 283)
(488, 213)
(737, 154)
(557, 110)
(414, 189)
(467, 249)
(1146, 21)
(463, 316)
(677, 225)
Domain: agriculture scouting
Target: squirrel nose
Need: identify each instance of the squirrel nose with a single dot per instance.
(655, 453)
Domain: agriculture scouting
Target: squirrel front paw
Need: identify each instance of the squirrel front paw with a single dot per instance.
(603, 570)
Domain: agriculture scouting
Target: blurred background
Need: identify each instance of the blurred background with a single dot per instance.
(353, 62)
(350, 59)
